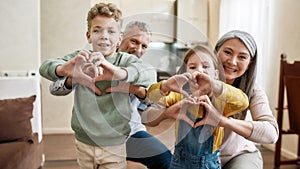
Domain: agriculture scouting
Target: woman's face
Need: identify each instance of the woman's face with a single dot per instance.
(235, 58)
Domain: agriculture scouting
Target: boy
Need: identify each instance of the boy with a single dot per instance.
(100, 122)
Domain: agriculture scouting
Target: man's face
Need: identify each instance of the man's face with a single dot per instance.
(135, 42)
(104, 35)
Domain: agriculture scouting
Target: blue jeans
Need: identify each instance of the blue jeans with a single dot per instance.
(195, 148)
(144, 148)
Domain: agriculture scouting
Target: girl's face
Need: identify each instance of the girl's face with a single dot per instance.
(104, 35)
(202, 63)
(235, 58)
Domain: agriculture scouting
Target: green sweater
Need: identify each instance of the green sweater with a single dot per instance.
(103, 120)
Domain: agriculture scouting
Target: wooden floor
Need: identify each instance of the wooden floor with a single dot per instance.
(60, 152)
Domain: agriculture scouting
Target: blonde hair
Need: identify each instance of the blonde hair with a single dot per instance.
(204, 49)
(102, 9)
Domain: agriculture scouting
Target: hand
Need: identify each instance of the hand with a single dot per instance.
(176, 82)
(124, 87)
(212, 116)
(179, 109)
(73, 69)
(68, 68)
(203, 86)
(107, 71)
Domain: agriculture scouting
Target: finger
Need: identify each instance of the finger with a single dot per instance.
(184, 93)
(96, 56)
(85, 54)
(96, 90)
(199, 123)
(187, 120)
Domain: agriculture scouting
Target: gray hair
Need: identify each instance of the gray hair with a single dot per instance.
(144, 27)
(247, 80)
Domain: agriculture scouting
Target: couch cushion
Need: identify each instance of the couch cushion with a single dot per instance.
(15, 115)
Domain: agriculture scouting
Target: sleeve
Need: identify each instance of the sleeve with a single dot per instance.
(155, 95)
(231, 101)
(58, 88)
(265, 127)
(139, 73)
(47, 69)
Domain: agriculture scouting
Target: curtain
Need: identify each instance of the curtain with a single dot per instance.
(251, 16)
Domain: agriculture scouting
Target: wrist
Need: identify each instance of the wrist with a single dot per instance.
(163, 91)
(59, 71)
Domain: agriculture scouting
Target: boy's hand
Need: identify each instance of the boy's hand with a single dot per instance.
(107, 71)
(73, 69)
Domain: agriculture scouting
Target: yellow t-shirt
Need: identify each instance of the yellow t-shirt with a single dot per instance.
(231, 101)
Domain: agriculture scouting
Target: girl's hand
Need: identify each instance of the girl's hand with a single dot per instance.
(179, 109)
(203, 85)
(176, 82)
(212, 116)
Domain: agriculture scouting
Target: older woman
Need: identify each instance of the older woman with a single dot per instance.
(237, 51)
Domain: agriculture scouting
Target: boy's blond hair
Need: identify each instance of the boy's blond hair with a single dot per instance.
(103, 9)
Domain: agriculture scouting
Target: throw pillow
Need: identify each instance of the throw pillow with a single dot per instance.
(15, 115)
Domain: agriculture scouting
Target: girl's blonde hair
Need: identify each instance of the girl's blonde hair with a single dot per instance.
(204, 49)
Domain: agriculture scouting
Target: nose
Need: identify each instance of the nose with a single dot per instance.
(232, 60)
(138, 50)
(104, 34)
(200, 69)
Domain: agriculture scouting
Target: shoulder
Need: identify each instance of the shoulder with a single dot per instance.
(258, 95)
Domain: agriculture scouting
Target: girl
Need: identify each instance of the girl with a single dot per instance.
(188, 97)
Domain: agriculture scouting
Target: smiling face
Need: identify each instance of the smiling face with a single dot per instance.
(235, 58)
(104, 35)
(201, 62)
(135, 42)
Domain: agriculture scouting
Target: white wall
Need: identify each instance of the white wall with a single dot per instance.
(63, 28)
(20, 35)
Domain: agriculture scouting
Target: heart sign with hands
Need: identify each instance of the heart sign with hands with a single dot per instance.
(74, 70)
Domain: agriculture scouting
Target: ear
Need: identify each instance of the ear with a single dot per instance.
(88, 37)
(216, 74)
(120, 39)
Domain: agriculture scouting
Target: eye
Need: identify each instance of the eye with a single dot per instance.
(206, 66)
(144, 46)
(111, 31)
(133, 41)
(96, 30)
(227, 52)
(243, 57)
(192, 67)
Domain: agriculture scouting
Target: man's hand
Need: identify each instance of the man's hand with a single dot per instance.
(124, 87)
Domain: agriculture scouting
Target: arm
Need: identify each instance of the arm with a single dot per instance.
(59, 87)
(264, 128)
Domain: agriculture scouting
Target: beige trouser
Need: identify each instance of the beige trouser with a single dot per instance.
(94, 157)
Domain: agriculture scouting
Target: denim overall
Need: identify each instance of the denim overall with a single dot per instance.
(191, 152)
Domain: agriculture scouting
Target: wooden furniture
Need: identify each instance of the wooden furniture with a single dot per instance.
(289, 91)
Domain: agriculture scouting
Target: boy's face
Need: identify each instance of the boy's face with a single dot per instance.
(104, 35)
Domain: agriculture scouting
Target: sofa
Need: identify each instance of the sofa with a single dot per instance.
(21, 142)
(20, 147)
